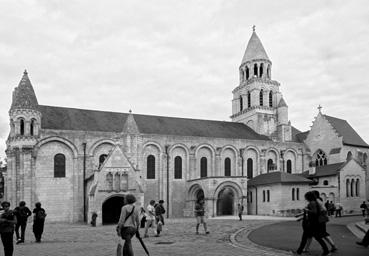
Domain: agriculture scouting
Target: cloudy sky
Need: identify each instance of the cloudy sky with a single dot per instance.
(181, 58)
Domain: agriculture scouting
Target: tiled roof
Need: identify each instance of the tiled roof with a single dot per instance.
(335, 151)
(276, 177)
(61, 118)
(325, 170)
(344, 129)
(254, 50)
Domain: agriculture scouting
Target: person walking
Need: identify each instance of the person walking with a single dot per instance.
(322, 225)
(364, 208)
(339, 209)
(150, 218)
(159, 216)
(312, 225)
(22, 212)
(7, 222)
(39, 216)
(240, 211)
(128, 224)
(200, 215)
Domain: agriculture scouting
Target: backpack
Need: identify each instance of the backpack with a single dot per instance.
(40, 215)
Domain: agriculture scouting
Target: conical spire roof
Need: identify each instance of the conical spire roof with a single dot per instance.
(282, 103)
(255, 49)
(130, 126)
(24, 96)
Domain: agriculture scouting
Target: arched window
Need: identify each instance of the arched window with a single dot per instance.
(270, 99)
(261, 70)
(117, 182)
(250, 168)
(227, 167)
(268, 195)
(255, 70)
(289, 166)
(349, 155)
(241, 103)
(150, 167)
(270, 165)
(347, 188)
(203, 167)
(102, 159)
(320, 159)
(32, 127)
(297, 194)
(352, 183)
(59, 166)
(261, 97)
(178, 167)
(293, 194)
(248, 99)
(247, 73)
(357, 187)
(109, 181)
(21, 127)
(365, 158)
(268, 71)
(250, 196)
(242, 75)
(325, 182)
(263, 195)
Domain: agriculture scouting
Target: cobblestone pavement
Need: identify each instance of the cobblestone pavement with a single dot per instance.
(226, 238)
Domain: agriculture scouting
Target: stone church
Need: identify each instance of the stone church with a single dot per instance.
(79, 161)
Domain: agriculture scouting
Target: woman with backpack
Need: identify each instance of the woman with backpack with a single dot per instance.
(38, 221)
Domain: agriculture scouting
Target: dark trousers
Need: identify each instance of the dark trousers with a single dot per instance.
(338, 213)
(240, 216)
(304, 238)
(365, 240)
(127, 235)
(22, 225)
(7, 239)
(38, 229)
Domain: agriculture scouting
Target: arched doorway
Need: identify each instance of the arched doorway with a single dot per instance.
(200, 194)
(111, 209)
(225, 202)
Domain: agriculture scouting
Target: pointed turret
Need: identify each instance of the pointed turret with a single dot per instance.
(130, 126)
(282, 103)
(254, 50)
(24, 96)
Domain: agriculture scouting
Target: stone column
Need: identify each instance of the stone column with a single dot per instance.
(192, 172)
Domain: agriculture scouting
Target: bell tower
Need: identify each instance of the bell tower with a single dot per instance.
(257, 99)
(25, 123)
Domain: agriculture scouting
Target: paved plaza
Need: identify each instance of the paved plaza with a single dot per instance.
(227, 237)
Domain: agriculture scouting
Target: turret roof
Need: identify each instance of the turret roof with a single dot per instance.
(282, 103)
(254, 49)
(24, 96)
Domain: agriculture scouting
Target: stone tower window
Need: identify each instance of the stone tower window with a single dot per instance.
(249, 168)
(178, 167)
(261, 97)
(261, 69)
(248, 99)
(297, 194)
(347, 188)
(268, 195)
(270, 165)
(150, 165)
(352, 187)
(349, 155)
(203, 167)
(227, 167)
(241, 103)
(263, 195)
(21, 127)
(289, 166)
(320, 159)
(255, 70)
(247, 73)
(325, 182)
(270, 99)
(357, 187)
(59, 166)
(268, 71)
(32, 127)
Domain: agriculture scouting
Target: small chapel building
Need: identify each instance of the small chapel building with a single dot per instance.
(77, 161)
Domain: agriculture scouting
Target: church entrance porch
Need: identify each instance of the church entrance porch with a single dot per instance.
(225, 202)
(111, 209)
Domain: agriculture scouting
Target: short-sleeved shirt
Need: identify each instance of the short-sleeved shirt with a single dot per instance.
(150, 213)
(199, 209)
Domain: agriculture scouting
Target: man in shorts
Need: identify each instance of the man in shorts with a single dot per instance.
(200, 215)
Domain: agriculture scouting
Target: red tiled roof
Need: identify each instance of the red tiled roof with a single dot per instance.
(344, 129)
(61, 118)
(276, 177)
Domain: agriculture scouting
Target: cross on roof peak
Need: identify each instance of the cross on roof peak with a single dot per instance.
(253, 28)
(320, 108)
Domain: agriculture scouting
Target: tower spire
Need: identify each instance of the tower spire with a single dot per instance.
(24, 96)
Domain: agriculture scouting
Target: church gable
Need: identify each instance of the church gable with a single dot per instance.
(118, 174)
(322, 136)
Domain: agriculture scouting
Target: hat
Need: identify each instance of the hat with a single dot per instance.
(5, 204)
